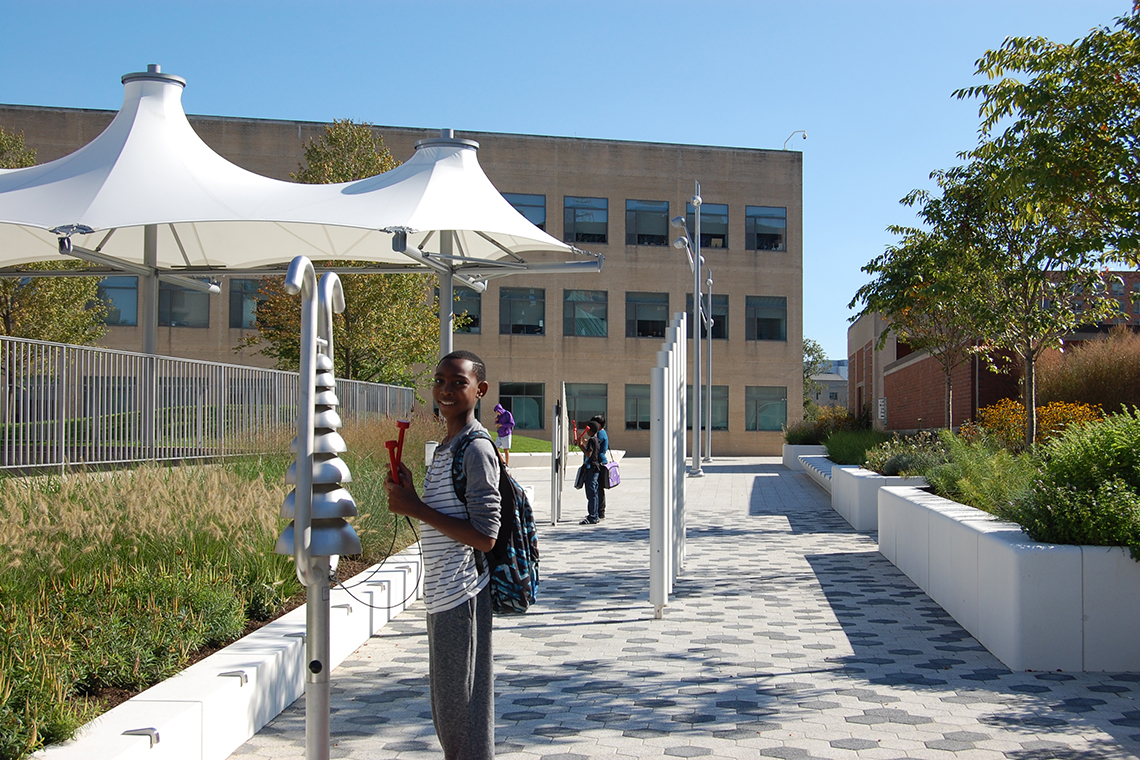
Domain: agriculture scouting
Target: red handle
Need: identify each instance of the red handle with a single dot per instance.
(393, 460)
(403, 425)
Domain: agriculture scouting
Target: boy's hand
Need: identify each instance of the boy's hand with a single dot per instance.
(402, 496)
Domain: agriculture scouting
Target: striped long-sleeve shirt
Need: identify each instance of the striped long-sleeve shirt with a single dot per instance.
(450, 573)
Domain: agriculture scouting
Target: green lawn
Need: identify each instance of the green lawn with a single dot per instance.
(521, 444)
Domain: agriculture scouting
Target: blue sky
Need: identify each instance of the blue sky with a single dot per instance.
(869, 81)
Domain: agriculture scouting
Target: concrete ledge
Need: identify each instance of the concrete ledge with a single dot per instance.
(213, 707)
(792, 455)
(1035, 606)
(855, 494)
(818, 468)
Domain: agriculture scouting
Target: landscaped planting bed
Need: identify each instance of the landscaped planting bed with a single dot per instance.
(113, 581)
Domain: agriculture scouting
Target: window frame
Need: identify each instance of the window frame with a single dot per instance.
(632, 307)
(519, 203)
(510, 296)
(635, 217)
(751, 243)
(105, 293)
(641, 407)
(708, 210)
(751, 318)
(244, 296)
(175, 294)
(752, 416)
(720, 407)
(571, 219)
(570, 319)
(526, 391)
(720, 317)
(576, 393)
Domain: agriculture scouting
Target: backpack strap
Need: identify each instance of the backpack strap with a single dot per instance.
(459, 482)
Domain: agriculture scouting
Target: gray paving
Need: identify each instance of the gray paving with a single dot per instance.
(788, 636)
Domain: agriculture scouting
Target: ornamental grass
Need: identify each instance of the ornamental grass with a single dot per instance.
(112, 581)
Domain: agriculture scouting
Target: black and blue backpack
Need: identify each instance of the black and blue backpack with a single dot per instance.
(514, 558)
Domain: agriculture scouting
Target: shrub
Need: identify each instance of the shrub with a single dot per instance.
(1104, 372)
(816, 431)
(1005, 420)
(982, 473)
(1058, 513)
(908, 455)
(850, 446)
(1089, 455)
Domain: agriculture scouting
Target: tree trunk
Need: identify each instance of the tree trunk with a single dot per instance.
(949, 400)
(1030, 394)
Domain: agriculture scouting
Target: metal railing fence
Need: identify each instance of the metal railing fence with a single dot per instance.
(63, 405)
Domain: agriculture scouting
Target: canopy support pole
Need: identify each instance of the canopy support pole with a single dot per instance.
(446, 297)
(148, 287)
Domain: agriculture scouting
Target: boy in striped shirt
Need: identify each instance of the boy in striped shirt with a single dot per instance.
(456, 590)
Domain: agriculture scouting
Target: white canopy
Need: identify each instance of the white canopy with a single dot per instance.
(149, 167)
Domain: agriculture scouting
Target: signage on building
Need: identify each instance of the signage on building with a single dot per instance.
(883, 409)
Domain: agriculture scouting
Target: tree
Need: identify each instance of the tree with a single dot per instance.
(1034, 279)
(14, 154)
(60, 309)
(815, 362)
(390, 323)
(1062, 123)
(927, 290)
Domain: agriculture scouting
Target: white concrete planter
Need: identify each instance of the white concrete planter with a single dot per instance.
(792, 455)
(855, 494)
(1034, 606)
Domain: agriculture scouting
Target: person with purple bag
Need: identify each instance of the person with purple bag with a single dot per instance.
(506, 425)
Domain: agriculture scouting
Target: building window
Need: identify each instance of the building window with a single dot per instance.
(714, 224)
(719, 407)
(765, 228)
(637, 407)
(585, 312)
(522, 311)
(585, 400)
(121, 294)
(245, 295)
(525, 402)
(181, 307)
(646, 315)
(765, 407)
(646, 222)
(765, 318)
(719, 313)
(586, 220)
(533, 207)
(469, 303)
(1118, 287)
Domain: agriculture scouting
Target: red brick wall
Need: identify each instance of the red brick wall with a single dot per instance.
(916, 393)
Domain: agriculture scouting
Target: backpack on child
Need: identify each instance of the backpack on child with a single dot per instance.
(514, 558)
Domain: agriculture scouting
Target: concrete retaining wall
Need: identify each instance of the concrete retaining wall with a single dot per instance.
(1034, 606)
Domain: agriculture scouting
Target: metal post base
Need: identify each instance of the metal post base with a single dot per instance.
(317, 738)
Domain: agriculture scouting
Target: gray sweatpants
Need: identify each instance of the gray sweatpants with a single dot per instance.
(462, 679)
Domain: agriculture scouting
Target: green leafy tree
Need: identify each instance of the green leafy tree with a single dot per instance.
(815, 361)
(14, 154)
(1032, 279)
(390, 326)
(60, 309)
(927, 289)
(1061, 121)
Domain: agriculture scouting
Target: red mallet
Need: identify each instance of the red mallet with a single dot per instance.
(403, 425)
(393, 459)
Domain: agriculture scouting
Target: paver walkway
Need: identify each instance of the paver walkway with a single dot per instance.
(788, 636)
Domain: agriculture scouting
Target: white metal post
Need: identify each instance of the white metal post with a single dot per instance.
(708, 374)
(660, 460)
(695, 470)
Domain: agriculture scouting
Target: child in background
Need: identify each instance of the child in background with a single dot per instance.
(506, 422)
(604, 451)
(457, 592)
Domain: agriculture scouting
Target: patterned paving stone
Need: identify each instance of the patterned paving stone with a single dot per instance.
(788, 635)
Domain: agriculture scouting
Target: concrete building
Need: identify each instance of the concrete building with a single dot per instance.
(832, 384)
(598, 333)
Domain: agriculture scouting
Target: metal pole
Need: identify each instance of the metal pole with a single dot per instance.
(317, 696)
(446, 297)
(695, 470)
(708, 374)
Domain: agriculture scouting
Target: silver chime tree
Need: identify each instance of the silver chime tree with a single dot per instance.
(318, 504)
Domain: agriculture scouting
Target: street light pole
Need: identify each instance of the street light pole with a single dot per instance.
(708, 377)
(695, 261)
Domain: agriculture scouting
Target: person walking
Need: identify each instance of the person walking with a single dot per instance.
(604, 449)
(506, 425)
(591, 465)
(457, 592)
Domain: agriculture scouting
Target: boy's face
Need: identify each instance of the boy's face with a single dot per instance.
(456, 390)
